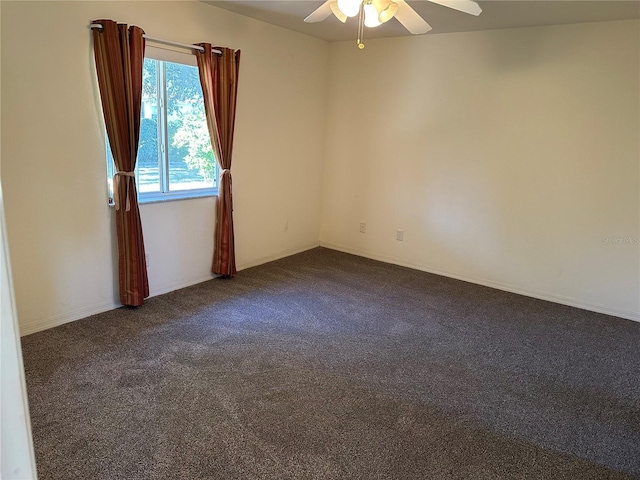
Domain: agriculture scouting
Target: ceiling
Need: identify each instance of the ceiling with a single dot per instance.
(495, 15)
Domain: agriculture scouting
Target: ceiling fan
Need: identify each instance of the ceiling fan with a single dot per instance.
(376, 12)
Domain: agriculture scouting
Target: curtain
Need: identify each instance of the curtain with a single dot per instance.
(219, 80)
(119, 54)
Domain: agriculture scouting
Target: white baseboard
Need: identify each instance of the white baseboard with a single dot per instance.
(277, 256)
(56, 320)
(61, 319)
(627, 314)
(170, 287)
(72, 316)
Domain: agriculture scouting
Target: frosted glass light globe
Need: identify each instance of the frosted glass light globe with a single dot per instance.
(350, 8)
(370, 16)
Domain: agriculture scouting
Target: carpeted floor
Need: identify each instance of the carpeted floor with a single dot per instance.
(325, 365)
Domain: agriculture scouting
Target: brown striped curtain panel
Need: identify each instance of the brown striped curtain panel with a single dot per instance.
(119, 54)
(219, 80)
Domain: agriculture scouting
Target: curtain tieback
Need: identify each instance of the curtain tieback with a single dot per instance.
(116, 189)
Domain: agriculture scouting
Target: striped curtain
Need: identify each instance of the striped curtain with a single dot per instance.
(219, 80)
(119, 54)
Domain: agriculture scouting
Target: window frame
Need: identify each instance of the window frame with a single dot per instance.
(162, 56)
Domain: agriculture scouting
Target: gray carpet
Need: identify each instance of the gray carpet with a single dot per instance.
(326, 365)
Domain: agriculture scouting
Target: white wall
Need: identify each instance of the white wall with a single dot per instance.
(61, 231)
(16, 446)
(17, 460)
(506, 157)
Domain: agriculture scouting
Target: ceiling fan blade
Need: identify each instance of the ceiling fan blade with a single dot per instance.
(408, 17)
(466, 6)
(320, 13)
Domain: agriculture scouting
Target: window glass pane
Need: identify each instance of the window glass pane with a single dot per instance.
(191, 161)
(148, 160)
(173, 134)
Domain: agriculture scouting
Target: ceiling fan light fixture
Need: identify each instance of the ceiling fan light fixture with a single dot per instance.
(370, 15)
(388, 13)
(337, 12)
(350, 8)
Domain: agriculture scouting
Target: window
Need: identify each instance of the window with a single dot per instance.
(175, 159)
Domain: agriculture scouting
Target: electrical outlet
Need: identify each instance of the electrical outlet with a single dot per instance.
(400, 235)
(363, 227)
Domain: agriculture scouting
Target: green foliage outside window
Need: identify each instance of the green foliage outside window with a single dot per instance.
(188, 138)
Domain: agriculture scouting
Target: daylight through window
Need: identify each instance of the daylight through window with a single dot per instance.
(175, 159)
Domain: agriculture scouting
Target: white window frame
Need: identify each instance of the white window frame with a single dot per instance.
(165, 194)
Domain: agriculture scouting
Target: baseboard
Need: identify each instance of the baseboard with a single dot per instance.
(61, 319)
(56, 320)
(177, 286)
(277, 256)
(627, 314)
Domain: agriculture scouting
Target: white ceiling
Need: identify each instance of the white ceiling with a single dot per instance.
(495, 15)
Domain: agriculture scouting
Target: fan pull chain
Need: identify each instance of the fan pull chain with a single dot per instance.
(361, 27)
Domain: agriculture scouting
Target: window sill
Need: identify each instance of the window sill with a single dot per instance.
(170, 197)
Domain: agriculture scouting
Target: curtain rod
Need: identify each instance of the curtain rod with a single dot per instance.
(166, 42)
